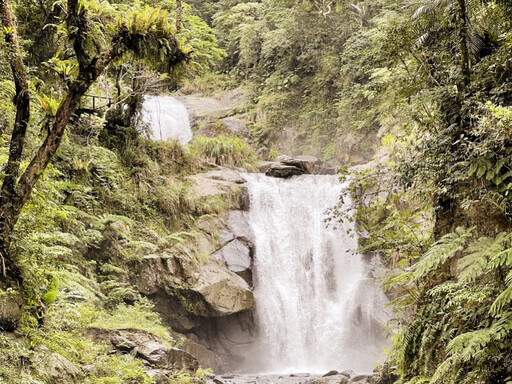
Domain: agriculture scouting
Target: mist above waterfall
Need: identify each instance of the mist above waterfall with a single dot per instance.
(167, 117)
(316, 308)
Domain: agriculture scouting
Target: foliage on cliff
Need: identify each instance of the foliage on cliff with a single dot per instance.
(437, 207)
(308, 89)
(102, 197)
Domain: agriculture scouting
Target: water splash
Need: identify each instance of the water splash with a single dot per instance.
(167, 117)
(316, 307)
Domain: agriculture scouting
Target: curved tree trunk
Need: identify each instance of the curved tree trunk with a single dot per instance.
(9, 205)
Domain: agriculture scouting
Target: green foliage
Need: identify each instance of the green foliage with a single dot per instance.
(290, 56)
(222, 150)
(138, 316)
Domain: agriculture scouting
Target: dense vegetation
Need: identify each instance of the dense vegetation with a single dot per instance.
(84, 195)
(430, 79)
(436, 203)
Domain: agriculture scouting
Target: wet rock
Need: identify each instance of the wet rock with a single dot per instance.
(10, 310)
(226, 175)
(307, 163)
(287, 166)
(224, 291)
(217, 381)
(364, 379)
(54, 368)
(300, 375)
(284, 171)
(236, 255)
(203, 186)
(387, 376)
(326, 171)
(331, 373)
(331, 379)
(239, 226)
(348, 373)
(264, 166)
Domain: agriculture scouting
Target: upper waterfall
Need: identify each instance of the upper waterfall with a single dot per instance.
(316, 305)
(167, 118)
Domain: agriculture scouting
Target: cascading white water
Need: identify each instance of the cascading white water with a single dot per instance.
(316, 306)
(167, 118)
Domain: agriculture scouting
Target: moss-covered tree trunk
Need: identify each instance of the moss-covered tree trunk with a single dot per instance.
(15, 189)
(9, 204)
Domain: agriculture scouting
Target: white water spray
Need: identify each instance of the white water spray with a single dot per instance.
(167, 117)
(316, 306)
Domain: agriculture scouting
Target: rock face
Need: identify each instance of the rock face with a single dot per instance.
(208, 290)
(213, 116)
(225, 292)
(10, 310)
(54, 368)
(237, 256)
(206, 279)
(224, 183)
(160, 359)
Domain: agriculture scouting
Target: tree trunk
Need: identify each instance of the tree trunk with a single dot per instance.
(8, 211)
(179, 12)
(464, 51)
(15, 193)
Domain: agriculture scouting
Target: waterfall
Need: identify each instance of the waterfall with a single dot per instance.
(167, 117)
(316, 305)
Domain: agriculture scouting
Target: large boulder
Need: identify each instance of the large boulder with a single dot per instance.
(223, 183)
(54, 368)
(178, 284)
(284, 171)
(308, 164)
(145, 346)
(286, 166)
(237, 256)
(225, 292)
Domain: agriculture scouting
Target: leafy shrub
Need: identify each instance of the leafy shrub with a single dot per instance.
(222, 150)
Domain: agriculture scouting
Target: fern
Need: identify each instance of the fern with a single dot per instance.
(475, 263)
(502, 301)
(442, 251)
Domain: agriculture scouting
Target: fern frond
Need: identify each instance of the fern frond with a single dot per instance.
(475, 263)
(502, 301)
(442, 251)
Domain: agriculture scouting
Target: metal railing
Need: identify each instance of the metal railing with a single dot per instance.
(94, 97)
